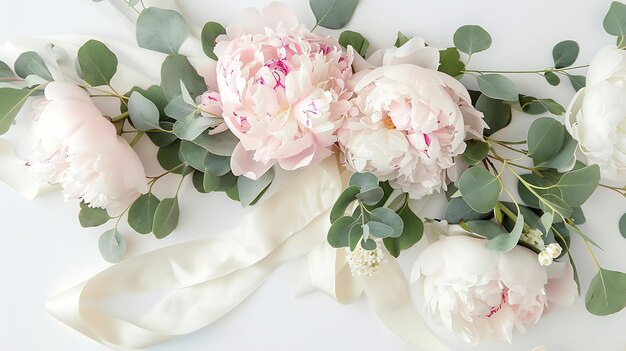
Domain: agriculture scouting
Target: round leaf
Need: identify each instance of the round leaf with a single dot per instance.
(165, 218)
(97, 63)
(497, 113)
(141, 213)
(112, 246)
(577, 186)
(176, 68)
(339, 232)
(615, 20)
(11, 102)
(342, 203)
(412, 233)
(31, 63)
(250, 190)
(372, 196)
(365, 181)
(497, 86)
(210, 32)
(475, 151)
(471, 39)
(552, 78)
(505, 242)
(92, 216)
(545, 139)
(161, 30)
(607, 293)
(390, 218)
(333, 14)
(565, 53)
(356, 40)
(143, 113)
(380, 230)
(578, 82)
(480, 189)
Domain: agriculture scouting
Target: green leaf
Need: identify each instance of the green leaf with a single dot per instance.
(202, 160)
(365, 181)
(221, 144)
(607, 293)
(31, 63)
(339, 232)
(471, 39)
(161, 30)
(505, 242)
(345, 199)
(369, 244)
(552, 106)
(450, 62)
(176, 68)
(487, 228)
(250, 190)
(168, 157)
(578, 82)
(622, 225)
(333, 14)
(11, 102)
(552, 78)
(401, 39)
(497, 86)
(143, 113)
(577, 186)
(529, 198)
(210, 32)
(475, 151)
(112, 246)
(545, 139)
(356, 40)
(480, 189)
(371, 197)
(566, 155)
(92, 216)
(5, 71)
(380, 230)
(458, 210)
(355, 235)
(165, 217)
(615, 20)
(390, 218)
(412, 232)
(190, 127)
(141, 213)
(497, 113)
(97, 63)
(565, 53)
(551, 203)
(178, 108)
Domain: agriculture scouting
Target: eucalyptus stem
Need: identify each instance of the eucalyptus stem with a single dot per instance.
(120, 117)
(526, 71)
(136, 138)
(512, 215)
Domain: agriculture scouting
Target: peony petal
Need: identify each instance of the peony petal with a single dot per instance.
(561, 288)
(242, 163)
(277, 13)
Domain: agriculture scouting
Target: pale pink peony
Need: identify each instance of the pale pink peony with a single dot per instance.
(75, 146)
(409, 121)
(283, 90)
(484, 294)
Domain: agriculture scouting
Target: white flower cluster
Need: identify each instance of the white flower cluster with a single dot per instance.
(365, 262)
(547, 255)
(533, 237)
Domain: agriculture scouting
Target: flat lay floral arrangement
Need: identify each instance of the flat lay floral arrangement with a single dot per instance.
(396, 125)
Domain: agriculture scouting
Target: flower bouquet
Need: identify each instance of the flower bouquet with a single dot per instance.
(338, 150)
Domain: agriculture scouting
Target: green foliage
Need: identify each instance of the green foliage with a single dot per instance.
(221, 144)
(143, 113)
(31, 63)
(356, 40)
(92, 216)
(210, 32)
(199, 158)
(339, 232)
(471, 39)
(578, 82)
(389, 218)
(535, 106)
(165, 217)
(161, 30)
(565, 53)
(5, 71)
(607, 293)
(250, 190)
(97, 63)
(413, 230)
(333, 14)
(480, 189)
(450, 62)
(112, 246)
(622, 225)
(505, 242)
(487, 228)
(578, 185)
(401, 39)
(191, 126)
(168, 157)
(545, 139)
(615, 19)
(497, 86)
(11, 102)
(475, 151)
(176, 68)
(141, 213)
(347, 197)
(552, 78)
(497, 113)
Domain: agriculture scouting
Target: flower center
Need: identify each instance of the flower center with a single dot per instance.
(388, 122)
(494, 309)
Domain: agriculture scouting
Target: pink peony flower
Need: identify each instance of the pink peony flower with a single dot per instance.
(481, 293)
(78, 148)
(409, 121)
(283, 90)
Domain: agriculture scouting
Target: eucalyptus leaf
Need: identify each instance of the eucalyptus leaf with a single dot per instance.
(552, 78)
(168, 157)
(165, 217)
(607, 293)
(112, 246)
(347, 197)
(333, 14)
(497, 114)
(11, 102)
(250, 189)
(142, 112)
(545, 139)
(577, 186)
(178, 108)
(30, 63)
(497, 86)
(5, 71)
(222, 144)
(505, 242)
(92, 216)
(161, 30)
(412, 232)
(471, 39)
(615, 19)
(450, 62)
(202, 160)
(390, 218)
(622, 225)
(97, 63)
(356, 40)
(380, 230)
(141, 213)
(365, 181)
(369, 245)
(528, 197)
(176, 68)
(480, 189)
(401, 39)
(210, 32)
(565, 157)
(339, 232)
(551, 203)
(191, 126)
(356, 234)
(475, 151)
(565, 53)
(578, 82)
(458, 210)
(371, 196)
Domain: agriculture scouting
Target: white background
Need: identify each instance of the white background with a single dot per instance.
(44, 251)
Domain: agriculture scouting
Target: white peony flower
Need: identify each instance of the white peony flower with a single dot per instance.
(480, 293)
(596, 116)
(408, 121)
(75, 146)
